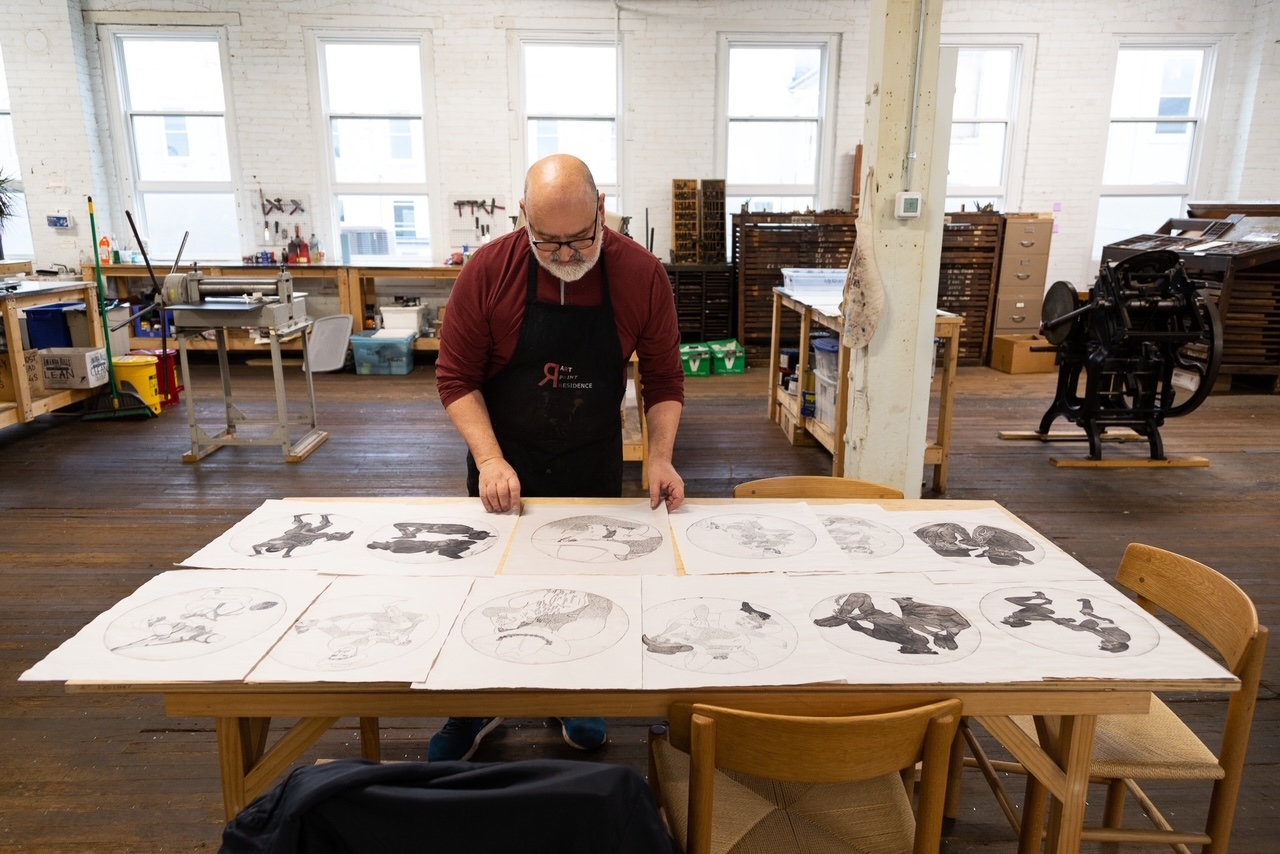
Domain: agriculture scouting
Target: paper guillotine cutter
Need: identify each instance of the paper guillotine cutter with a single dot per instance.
(278, 314)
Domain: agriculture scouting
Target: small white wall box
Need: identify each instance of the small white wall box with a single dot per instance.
(906, 205)
(59, 220)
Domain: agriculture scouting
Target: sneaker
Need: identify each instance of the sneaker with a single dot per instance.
(583, 733)
(459, 738)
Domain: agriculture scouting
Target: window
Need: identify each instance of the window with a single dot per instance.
(15, 231)
(175, 122)
(982, 126)
(375, 110)
(775, 96)
(571, 106)
(1157, 105)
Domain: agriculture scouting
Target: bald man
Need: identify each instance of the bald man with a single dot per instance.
(541, 324)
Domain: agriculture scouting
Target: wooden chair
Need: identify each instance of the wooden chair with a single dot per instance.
(813, 486)
(731, 780)
(1159, 746)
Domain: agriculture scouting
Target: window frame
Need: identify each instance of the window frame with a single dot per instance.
(611, 189)
(120, 122)
(1202, 121)
(1009, 192)
(331, 189)
(822, 190)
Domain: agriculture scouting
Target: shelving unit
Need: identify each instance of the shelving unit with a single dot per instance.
(785, 408)
(27, 405)
(704, 300)
(763, 244)
(967, 273)
(354, 291)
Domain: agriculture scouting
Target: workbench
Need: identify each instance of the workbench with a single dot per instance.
(28, 403)
(785, 408)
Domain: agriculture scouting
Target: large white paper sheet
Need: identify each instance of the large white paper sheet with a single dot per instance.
(754, 537)
(367, 629)
(185, 626)
(438, 537)
(544, 632)
(986, 544)
(905, 629)
(729, 630)
(604, 537)
(870, 537)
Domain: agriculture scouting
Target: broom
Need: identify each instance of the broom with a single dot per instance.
(121, 404)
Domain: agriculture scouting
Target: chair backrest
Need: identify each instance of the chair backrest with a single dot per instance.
(813, 486)
(816, 750)
(327, 349)
(1213, 606)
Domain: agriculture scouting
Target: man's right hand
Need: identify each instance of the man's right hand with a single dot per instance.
(499, 485)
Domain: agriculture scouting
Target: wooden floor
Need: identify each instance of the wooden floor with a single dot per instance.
(89, 510)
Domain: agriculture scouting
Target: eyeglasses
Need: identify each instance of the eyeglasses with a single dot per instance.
(577, 244)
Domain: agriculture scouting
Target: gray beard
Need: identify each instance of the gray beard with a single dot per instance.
(569, 271)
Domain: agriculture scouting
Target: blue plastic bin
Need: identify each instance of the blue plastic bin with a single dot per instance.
(47, 325)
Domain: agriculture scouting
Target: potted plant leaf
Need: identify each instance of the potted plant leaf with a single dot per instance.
(8, 205)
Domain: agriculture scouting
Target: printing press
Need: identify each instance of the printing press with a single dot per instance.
(272, 311)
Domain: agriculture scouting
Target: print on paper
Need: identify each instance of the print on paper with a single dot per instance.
(715, 635)
(430, 542)
(1070, 622)
(887, 627)
(194, 623)
(355, 631)
(861, 538)
(751, 535)
(596, 539)
(548, 625)
(985, 545)
(296, 536)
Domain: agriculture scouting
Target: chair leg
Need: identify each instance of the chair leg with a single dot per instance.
(955, 776)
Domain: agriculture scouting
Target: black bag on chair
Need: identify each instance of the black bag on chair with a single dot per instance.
(356, 806)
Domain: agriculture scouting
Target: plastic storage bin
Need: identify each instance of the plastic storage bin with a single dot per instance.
(826, 356)
(824, 402)
(383, 352)
(405, 318)
(821, 281)
(47, 325)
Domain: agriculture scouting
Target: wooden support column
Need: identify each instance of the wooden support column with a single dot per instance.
(890, 378)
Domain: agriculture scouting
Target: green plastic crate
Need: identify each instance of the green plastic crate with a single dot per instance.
(696, 360)
(727, 356)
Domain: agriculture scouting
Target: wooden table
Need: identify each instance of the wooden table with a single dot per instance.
(243, 712)
(785, 408)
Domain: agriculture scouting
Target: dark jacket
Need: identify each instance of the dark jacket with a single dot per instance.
(537, 805)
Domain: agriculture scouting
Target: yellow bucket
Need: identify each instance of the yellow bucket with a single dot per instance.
(137, 375)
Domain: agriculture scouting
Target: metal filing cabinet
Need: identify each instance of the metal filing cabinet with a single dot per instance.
(1024, 265)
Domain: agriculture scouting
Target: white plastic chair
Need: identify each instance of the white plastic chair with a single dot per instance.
(327, 349)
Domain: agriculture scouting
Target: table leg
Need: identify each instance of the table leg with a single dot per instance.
(241, 742)
(370, 739)
(1074, 753)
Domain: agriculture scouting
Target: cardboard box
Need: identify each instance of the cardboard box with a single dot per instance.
(73, 367)
(8, 391)
(1013, 355)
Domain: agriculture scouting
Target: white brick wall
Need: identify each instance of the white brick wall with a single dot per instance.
(56, 89)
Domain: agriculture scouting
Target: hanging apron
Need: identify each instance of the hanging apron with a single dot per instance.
(556, 407)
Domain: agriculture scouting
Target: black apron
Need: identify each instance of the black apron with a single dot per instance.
(556, 407)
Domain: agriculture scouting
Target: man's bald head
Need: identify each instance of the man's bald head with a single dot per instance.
(559, 181)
